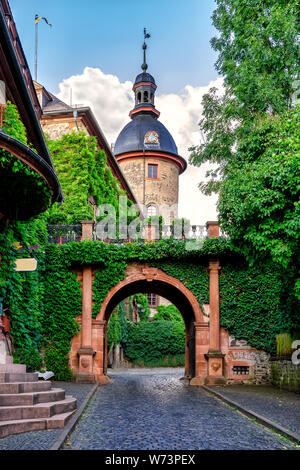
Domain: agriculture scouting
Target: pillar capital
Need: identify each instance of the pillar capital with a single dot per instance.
(213, 229)
(214, 264)
(87, 229)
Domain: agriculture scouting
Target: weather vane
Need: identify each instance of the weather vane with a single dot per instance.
(146, 36)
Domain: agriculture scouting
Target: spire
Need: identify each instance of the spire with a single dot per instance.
(146, 36)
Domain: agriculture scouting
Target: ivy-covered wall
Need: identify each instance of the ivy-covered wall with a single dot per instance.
(251, 306)
(83, 172)
(23, 191)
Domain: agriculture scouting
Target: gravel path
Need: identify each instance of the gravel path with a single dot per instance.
(280, 406)
(43, 440)
(153, 409)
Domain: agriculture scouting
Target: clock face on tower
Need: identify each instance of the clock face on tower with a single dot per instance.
(151, 138)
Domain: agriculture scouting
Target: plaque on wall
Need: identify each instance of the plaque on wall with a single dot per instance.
(237, 342)
(151, 140)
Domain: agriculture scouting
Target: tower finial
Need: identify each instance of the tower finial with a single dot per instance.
(146, 36)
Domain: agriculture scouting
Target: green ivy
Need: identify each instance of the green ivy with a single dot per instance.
(83, 173)
(150, 341)
(19, 180)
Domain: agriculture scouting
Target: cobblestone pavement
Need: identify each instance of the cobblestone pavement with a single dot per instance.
(43, 440)
(153, 409)
(280, 406)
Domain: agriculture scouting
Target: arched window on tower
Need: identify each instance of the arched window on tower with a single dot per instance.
(146, 97)
(139, 97)
(151, 210)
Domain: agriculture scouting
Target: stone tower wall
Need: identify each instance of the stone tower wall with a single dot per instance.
(163, 190)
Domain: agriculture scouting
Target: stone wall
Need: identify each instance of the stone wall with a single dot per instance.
(56, 129)
(285, 375)
(163, 190)
(261, 367)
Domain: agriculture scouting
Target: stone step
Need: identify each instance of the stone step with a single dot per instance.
(13, 368)
(23, 377)
(25, 425)
(42, 410)
(56, 394)
(24, 387)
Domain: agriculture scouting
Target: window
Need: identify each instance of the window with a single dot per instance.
(152, 171)
(241, 370)
(146, 96)
(151, 211)
(152, 300)
(139, 97)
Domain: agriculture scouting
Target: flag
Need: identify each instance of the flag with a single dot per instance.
(146, 35)
(38, 18)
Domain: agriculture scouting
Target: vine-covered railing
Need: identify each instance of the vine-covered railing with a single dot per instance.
(61, 234)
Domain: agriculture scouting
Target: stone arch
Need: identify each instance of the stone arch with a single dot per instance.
(146, 279)
(142, 278)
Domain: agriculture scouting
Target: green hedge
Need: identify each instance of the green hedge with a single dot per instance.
(154, 340)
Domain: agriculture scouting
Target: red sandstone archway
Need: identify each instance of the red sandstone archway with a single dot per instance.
(157, 282)
(142, 278)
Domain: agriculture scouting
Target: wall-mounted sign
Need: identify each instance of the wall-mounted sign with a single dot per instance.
(26, 264)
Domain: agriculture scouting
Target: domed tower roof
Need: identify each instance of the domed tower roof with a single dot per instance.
(132, 137)
(144, 133)
(144, 77)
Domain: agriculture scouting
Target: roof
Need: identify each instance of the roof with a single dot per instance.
(56, 104)
(55, 107)
(132, 136)
(144, 77)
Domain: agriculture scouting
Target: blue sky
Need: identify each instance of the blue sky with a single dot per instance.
(109, 34)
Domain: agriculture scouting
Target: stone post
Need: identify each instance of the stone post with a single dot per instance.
(201, 340)
(99, 343)
(87, 229)
(215, 357)
(86, 351)
(213, 229)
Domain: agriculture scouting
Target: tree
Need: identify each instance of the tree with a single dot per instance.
(251, 131)
(259, 199)
(259, 60)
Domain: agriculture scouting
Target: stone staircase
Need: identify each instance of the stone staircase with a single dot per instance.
(27, 404)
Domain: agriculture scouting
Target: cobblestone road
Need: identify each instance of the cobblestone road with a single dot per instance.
(280, 406)
(146, 410)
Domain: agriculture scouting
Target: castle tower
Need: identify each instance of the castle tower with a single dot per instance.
(147, 153)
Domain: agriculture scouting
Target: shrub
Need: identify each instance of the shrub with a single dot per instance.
(154, 340)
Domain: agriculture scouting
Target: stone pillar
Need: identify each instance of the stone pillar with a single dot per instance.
(86, 351)
(99, 343)
(215, 357)
(87, 229)
(213, 229)
(201, 341)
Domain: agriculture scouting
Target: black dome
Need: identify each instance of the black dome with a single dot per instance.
(144, 77)
(133, 135)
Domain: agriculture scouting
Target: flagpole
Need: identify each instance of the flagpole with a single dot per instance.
(36, 49)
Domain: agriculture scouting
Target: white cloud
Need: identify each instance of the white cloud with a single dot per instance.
(111, 102)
